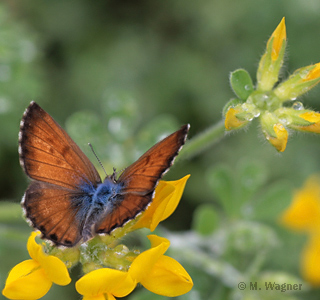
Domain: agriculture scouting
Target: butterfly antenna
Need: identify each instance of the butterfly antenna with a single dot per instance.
(97, 159)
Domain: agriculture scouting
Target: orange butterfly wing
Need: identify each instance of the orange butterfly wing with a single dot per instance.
(50, 157)
(48, 154)
(140, 179)
(49, 209)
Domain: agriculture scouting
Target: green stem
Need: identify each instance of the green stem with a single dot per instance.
(202, 141)
(256, 264)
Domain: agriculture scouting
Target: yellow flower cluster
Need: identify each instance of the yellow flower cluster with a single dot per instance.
(32, 279)
(158, 273)
(304, 215)
(266, 101)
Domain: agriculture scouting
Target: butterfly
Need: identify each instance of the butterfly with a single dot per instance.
(66, 199)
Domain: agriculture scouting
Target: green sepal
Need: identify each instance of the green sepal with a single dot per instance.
(298, 121)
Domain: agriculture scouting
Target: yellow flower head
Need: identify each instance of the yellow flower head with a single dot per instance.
(158, 273)
(266, 100)
(32, 279)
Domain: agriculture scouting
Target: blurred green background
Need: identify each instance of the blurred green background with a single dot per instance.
(120, 74)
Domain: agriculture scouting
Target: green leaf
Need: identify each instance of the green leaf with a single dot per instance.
(241, 83)
(251, 237)
(251, 176)
(221, 181)
(273, 202)
(205, 219)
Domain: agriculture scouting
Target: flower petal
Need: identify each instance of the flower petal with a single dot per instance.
(314, 73)
(162, 192)
(170, 204)
(278, 138)
(271, 61)
(166, 200)
(231, 121)
(27, 281)
(279, 36)
(33, 248)
(158, 240)
(145, 261)
(105, 280)
(168, 278)
(304, 211)
(99, 297)
(110, 297)
(314, 118)
(54, 268)
(300, 82)
(280, 142)
(310, 263)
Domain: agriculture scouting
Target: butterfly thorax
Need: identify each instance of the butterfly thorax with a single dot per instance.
(104, 199)
(106, 192)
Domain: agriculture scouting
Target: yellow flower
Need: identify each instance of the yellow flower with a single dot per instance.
(304, 215)
(314, 122)
(304, 211)
(314, 73)
(279, 141)
(278, 37)
(271, 61)
(166, 200)
(300, 82)
(310, 262)
(156, 272)
(104, 284)
(32, 279)
(232, 121)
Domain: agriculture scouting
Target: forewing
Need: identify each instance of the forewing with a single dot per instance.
(54, 210)
(48, 154)
(140, 179)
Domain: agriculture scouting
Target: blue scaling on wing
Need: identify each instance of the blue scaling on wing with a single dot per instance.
(81, 201)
